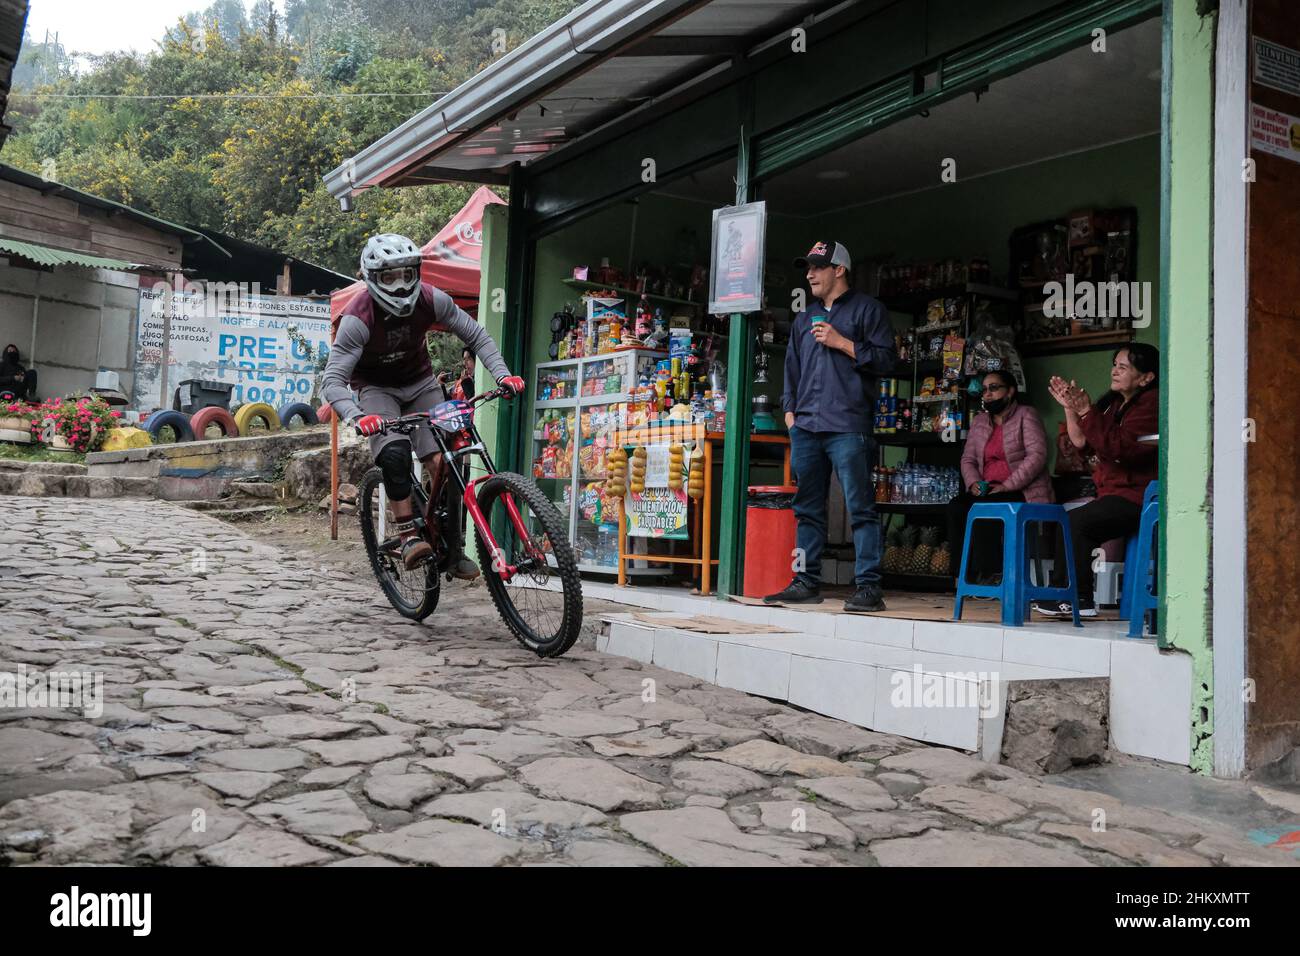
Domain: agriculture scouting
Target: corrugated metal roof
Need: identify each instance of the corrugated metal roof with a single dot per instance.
(48, 256)
(603, 60)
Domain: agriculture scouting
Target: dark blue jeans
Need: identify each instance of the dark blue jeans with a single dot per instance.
(812, 456)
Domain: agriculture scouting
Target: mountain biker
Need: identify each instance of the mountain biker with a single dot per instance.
(379, 351)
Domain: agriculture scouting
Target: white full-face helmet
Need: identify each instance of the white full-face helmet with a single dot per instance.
(391, 267)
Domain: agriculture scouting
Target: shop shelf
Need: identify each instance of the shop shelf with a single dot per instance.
(627, 293)
(556, 403)
(1083, 342)
(912, 302)
(930, 399)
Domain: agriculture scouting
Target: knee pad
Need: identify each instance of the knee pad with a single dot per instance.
(395, 462)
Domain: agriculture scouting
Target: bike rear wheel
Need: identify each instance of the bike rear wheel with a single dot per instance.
(413, 593)
(542, 602)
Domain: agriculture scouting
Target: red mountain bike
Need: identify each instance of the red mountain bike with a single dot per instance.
(531, 574)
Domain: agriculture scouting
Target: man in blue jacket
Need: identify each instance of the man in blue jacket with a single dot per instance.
(839, 346)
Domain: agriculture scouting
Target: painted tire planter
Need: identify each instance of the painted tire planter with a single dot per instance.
(205, 418)
(165, 418)
(15, 429)
(247, 414)
(291, 410)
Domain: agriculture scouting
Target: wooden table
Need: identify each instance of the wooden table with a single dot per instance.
(702, 535)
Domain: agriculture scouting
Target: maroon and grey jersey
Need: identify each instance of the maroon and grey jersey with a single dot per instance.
(374, 348)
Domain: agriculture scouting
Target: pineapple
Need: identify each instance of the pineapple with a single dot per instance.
(892, 563)
(924, 551)
(907, 549)
(939, 560)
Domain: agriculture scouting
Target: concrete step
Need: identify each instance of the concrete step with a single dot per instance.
(822, 658)
(42, 467)
(235, 509)
(259, 489)
(43, 485)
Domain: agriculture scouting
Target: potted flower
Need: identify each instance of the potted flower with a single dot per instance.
(16, 421)
(76, 424)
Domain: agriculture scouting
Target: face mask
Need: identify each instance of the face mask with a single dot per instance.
(997, 405)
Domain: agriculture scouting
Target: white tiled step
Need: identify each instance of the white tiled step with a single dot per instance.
(867, 683)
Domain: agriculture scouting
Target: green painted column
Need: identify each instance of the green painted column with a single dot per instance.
(735, 456)
(1187, 352)
(492, 314)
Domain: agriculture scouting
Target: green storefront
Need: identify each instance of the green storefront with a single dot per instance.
(925, 132)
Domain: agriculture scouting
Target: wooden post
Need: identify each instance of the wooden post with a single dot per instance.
(168, 301)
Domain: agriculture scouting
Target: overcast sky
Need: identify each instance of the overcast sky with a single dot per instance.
(105, 26)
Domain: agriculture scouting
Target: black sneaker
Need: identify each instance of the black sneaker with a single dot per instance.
(464, 569)
(796, 592)
(869, 598)
(1063, 609)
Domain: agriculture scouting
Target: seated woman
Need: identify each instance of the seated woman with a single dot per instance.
(1005, 459)
(14, 377)
(1125, 466)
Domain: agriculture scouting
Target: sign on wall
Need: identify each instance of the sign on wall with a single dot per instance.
(736, 266)
(1272, 131)
(223, 335)
(1277, 66)
(659, 511)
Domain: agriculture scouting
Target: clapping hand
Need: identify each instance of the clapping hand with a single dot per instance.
(1069, 395)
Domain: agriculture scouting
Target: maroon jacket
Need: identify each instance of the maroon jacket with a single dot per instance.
(1124, 465)
(1025, 445)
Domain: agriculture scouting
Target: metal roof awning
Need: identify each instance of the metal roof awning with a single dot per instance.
(604, 60)
(50, 257)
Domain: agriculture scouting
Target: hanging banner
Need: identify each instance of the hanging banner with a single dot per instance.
(222, 333)
(1272, 131)
(736, 266)
(657, 513)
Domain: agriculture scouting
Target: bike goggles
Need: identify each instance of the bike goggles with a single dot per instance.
(394, 280)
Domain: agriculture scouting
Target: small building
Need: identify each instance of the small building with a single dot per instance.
(921, 133)
(72, 266)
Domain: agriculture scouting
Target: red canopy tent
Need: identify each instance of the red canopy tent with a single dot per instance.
(450, 259)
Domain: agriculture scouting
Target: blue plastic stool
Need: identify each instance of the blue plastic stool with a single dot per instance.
(1139, 595)
(1016, 591)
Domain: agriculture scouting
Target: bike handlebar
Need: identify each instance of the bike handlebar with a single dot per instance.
(409, 423)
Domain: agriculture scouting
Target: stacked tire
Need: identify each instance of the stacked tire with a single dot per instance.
(178, 422)
(211, 416)
(291, 410)
(245, 415)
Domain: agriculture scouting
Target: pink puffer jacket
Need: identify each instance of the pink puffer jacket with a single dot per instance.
(1025, 444)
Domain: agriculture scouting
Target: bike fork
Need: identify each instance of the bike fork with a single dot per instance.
(507, 571)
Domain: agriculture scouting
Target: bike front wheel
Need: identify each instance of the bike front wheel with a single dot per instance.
(533, 578)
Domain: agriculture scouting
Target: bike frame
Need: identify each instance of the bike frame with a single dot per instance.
(455, 446)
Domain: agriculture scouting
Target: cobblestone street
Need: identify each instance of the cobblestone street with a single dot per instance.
(262, 704)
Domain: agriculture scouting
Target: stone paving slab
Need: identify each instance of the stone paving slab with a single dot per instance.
(263, 705)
